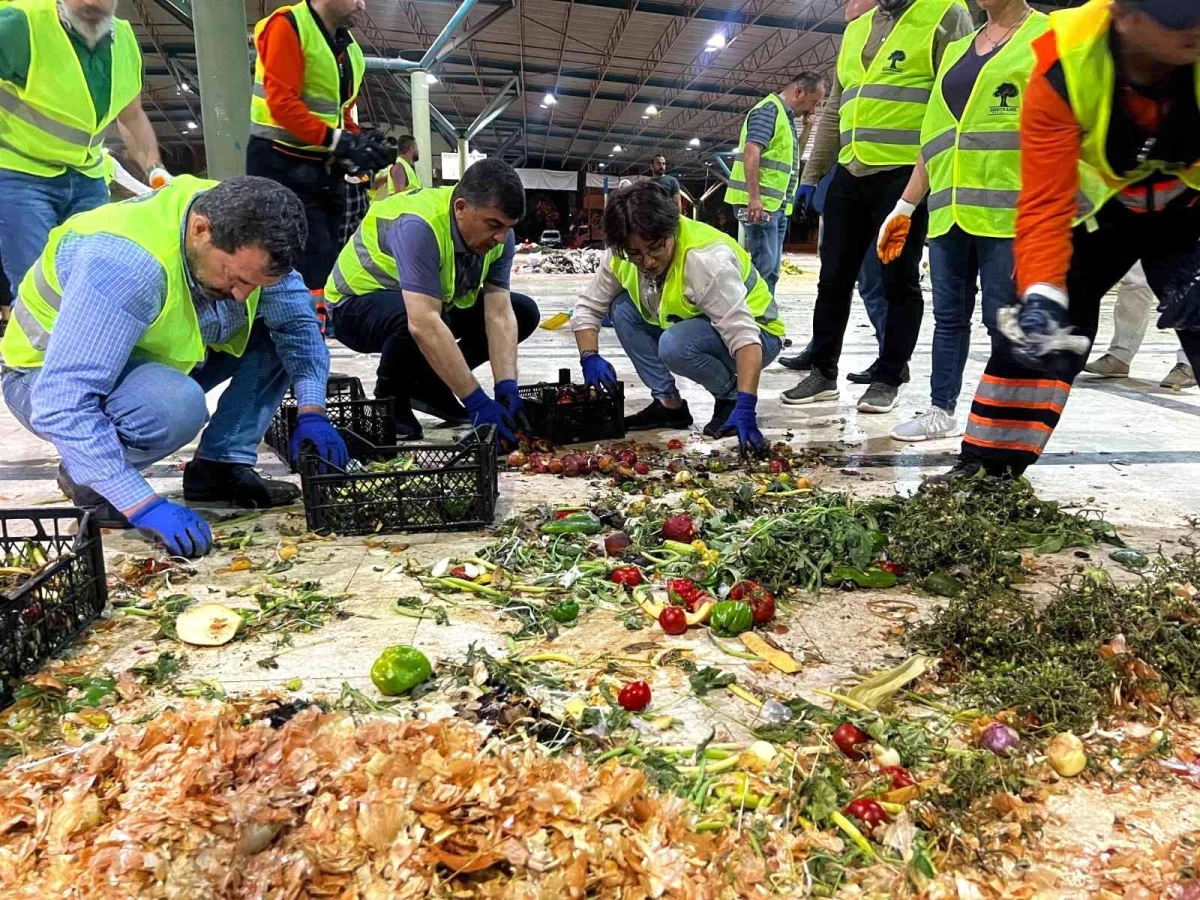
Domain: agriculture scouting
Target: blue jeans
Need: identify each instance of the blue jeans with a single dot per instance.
(156, 409)
(956, 259)
(32, 206)
(764, 241)
(691, 348)
(870, 288)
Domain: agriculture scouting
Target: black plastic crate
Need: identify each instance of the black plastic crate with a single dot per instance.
(451, 487)
(42, 615)
(601, 417)
(348, 408)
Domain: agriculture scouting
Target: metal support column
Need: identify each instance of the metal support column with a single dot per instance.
(419, 89)
(225, 82)
(464, 156)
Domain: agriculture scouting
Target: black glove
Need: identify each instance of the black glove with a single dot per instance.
(366, 152)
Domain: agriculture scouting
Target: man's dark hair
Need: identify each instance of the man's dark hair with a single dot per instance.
(493, 182)
(808, 81)
(405, 143)
(249, 211)
(644, 209)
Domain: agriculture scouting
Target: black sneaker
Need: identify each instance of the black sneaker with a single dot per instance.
(868, 374)
(407, 426)
(801, 362)
(206, 481)
(721, 413)
(104, 513)
(813, 389)
(658, 416)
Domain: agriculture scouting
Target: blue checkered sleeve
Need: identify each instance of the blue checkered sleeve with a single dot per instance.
(112, 291)
(287, 310)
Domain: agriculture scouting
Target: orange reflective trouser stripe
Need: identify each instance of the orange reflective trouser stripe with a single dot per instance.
(1015, 415)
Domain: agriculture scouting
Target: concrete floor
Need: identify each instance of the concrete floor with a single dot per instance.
(1127, 442)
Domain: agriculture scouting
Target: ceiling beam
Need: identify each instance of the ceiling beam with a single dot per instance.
(471, 32)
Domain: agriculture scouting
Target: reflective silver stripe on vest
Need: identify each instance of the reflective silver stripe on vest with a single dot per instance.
(52, 297)
(339, 282)
(1086, 208)
(892, 92)
(977, 197)
(775, 165)
(938, 145)
(272, 133)
(763, 190)
(906, 137)
(315, 104)
(386, 281)
(990, 140)
(849, 95)
(35, 331)
(41, 121)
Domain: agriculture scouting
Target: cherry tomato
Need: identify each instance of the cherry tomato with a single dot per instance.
(673, 620)
(635, 696)
(674, 444)
(893, 568)
(779, 465)
(900, 776)
(642, 469)
(626, 576)
(847, 737)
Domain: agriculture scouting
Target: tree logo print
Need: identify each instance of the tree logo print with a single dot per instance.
(1005, 92)
(895, 59)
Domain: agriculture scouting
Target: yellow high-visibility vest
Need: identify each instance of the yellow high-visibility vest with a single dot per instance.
(778, 161)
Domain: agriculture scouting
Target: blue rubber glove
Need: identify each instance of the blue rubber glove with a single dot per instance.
(182, 531)
(597, 371)
(314, 427)
(804, 197)
(1039, 332)
(744, 423)
(486, 411)
(508, 396)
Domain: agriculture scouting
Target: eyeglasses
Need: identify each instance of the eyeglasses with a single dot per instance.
(640, 257)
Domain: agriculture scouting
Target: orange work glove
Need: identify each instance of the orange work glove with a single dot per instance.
(158, 177)
(894, 232)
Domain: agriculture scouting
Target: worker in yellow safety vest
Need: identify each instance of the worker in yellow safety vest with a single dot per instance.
(189, 287)
(869, 134)
(1110, 169)
(403, 175)
(68, 69)
(424, 282)
(303, 127)
(685, 300)
(971, 168)
(766, 170)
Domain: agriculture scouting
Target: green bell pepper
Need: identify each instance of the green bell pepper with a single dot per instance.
(566, 611)
(730, 618)
(580, 523)
(399, 669)
(871, 578)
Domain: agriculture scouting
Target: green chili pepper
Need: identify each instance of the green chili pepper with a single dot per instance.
(730, 618)
(566, 611)
(399, 669)
(871, 578)
(583, 523)
(943, 584)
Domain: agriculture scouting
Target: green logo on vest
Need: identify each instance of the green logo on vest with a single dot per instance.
(895, 59)
(1005, 92)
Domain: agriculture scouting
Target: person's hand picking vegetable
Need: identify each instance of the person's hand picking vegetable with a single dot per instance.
(597, 371)
(313, 428)
(508, 395)
(181, 530)
(485, 411)
(744, 423)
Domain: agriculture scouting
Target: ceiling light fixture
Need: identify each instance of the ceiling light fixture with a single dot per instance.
(652, 110)
(549, 99)
(694, 142)
(617, 148)
(192, 126)
(716, 42)
(430, 78)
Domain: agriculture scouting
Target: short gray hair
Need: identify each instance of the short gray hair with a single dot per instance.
(809, 81)
(249, 211)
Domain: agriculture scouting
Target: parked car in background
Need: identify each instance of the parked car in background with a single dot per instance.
(550, 238)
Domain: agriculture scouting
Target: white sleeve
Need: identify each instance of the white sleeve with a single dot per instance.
(127, 181)
(593, 302)
(713, 282)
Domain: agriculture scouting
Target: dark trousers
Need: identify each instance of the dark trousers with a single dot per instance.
(320, 191)
(1016, 409)
(854, 211)
(378, 323)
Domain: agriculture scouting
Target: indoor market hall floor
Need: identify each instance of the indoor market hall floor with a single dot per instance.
(1131, 445)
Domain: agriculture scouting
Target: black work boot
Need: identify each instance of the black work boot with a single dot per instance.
(104, 513)
(722, 410)
(801, 362)
(867, 376)
(407, 426)
(968, 468)
(658, 416)
(206, 481)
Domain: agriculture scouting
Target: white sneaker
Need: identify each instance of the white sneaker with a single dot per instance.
(930, 425)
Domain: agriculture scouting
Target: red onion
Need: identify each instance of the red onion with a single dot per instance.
(999, 738)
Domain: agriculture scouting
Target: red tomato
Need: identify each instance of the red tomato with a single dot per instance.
(626, 576)
(892, 567)
(673, 620)
(899, 776)
(779, 465)
(760, 599)
(642, 469)
(635, 696)
(867, 811)
(674, 444)
(847, 737)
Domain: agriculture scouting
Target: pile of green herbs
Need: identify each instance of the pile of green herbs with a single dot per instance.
(978, 528)
(1094, 648)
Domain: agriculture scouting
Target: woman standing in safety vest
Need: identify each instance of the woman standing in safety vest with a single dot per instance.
(1110, 165)
(686, 300)
(970, 167)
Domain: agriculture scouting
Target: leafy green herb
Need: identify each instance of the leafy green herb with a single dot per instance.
(163, 670)
(709, 679)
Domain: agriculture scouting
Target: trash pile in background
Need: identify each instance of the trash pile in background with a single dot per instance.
(561, 262)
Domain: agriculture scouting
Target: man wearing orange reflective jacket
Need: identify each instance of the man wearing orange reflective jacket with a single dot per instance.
(1110, 161)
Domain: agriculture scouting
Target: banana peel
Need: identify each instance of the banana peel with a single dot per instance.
(780, 659)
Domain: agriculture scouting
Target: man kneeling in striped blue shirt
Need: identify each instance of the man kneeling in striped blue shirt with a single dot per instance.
(132, 313)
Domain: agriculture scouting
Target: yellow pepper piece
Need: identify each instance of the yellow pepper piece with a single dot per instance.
(700, 616)
(778, 658)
